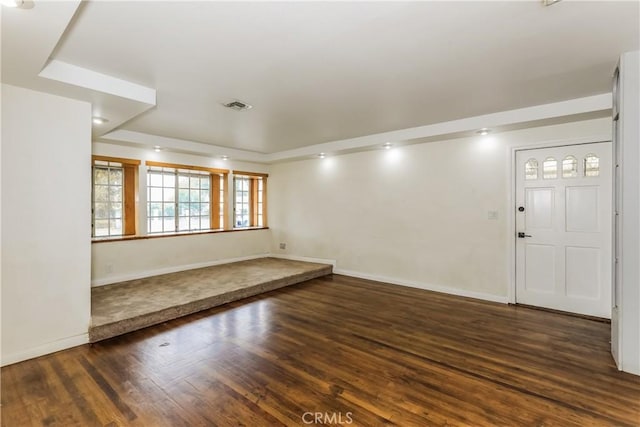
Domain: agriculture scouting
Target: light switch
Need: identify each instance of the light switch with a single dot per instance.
(492, 215)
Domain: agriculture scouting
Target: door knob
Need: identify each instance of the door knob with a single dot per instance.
(521, 235)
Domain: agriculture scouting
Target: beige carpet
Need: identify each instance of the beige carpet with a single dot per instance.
(128, 306)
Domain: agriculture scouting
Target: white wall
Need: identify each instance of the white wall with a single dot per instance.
(46, 223)
(117, 261)
(415, 215)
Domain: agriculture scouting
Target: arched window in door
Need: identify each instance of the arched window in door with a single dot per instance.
(570, 167)
(531, 169)
(591, 165)
(550, 168)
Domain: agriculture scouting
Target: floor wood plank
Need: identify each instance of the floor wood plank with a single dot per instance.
(385, 355)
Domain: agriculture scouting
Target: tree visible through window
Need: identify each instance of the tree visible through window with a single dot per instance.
(108, 198)
(184, 198)
(241, 206)
(249, 199)
(113, 196)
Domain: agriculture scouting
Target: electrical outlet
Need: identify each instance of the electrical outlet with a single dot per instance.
(108, 268)
(283, 246)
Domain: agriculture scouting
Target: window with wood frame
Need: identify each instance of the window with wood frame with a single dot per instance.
(113, 196)
(250, 199)
(183, 198)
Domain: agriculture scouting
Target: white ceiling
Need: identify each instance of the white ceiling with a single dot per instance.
(318, 72)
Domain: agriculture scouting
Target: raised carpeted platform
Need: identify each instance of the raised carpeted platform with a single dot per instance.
(128, 306)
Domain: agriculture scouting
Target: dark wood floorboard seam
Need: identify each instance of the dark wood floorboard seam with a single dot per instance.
(77, 398)
(492, 380)
(391, 355)
(108, 390)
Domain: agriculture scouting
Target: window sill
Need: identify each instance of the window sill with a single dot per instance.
(183, 233)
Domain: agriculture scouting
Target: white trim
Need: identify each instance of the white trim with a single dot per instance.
(304, 258)
(511, 221)
(426, 286)
(41, 350)
(570, 110)
(535, 113)
(174, 269)
(511, 224)
(180, 145)
(552, 143)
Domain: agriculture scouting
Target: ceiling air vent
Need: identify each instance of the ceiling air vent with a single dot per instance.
(237, 105)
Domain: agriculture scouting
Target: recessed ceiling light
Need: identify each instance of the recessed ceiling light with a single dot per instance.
(484, 131)
(387, 145)
(12, 3)
(238, 105)
(322, 155)
(157, 148)
(99, 120)
(225, 158)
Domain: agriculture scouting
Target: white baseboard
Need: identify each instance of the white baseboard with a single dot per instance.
(41, 350)
(425, 286)
(304, 258)
(148, 273)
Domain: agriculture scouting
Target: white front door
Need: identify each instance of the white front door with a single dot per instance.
(563, 228)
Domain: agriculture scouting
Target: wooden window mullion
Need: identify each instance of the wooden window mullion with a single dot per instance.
(225, 195)
(130, 192)
(186, 167)
(124, 162)
(264, 201)
(214, 202)
(253, 202)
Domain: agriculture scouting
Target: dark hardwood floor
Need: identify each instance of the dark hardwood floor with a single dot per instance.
(347, 349)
